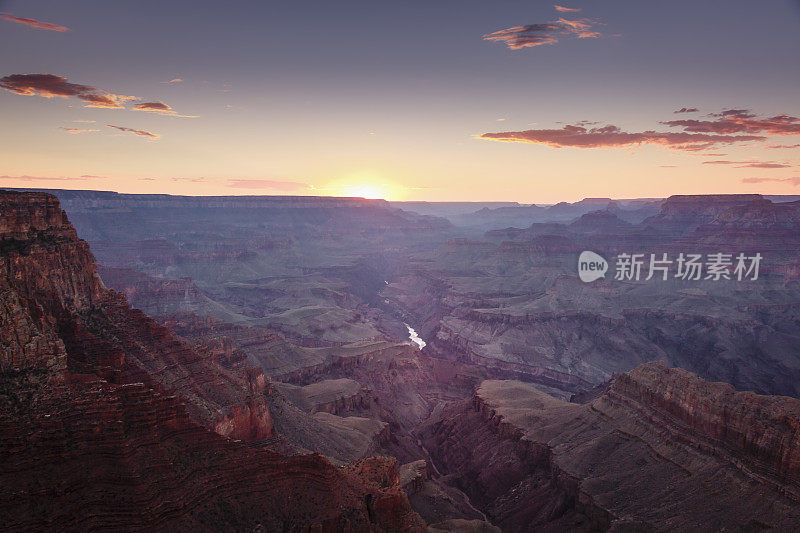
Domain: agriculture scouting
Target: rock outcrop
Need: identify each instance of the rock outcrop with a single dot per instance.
(660, 450)
(108, 421)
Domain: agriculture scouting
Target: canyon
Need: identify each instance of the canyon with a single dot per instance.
(300, 363)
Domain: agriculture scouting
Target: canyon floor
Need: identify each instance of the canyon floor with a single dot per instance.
(233, 363)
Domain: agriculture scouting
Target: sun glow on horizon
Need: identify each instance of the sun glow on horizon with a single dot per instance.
(370, 192)
(367, 184)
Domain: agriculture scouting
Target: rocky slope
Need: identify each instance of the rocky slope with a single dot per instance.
(660, 450)
(108, 421)
(514, 301)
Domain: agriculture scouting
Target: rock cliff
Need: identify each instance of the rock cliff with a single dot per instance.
(660, 450)
(109, 421)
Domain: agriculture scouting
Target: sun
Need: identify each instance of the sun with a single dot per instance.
(369, 184)
(370, 192)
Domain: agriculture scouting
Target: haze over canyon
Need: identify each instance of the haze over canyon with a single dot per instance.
(342, 364)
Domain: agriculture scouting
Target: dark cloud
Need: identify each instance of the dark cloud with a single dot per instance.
(794, 181)
(741, 121)
(783, 146)
(687, 110)
(141, 133)
(742, 113)
(612, 136)
(77, 131)
(160, 108)
(729, 127)
(153, 106)
(519, 37)
(51, 86)
(33, 23)
(266, 184)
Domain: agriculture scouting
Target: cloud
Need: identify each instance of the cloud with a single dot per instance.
(189, 180)
(764, 165)
(748, 164)
(33, 23)
(562, 9)
(785, 146)
(141, 133)
(43, 178)
(668, 166)
(85, 121)
(741, 121)
(687, 110)
(160, 108)
(728, 127)
(612, 137)
(266, 184)
(794, 181)
(77, 131)
(519, 37)
(174, 80)
(51, 86)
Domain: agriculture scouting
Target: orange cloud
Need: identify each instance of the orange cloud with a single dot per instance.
(33, 23)
(519, 37)
(141, 133)
(563, 9)
(174, 80)
(51, 86)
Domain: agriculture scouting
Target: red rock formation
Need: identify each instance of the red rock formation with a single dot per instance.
(102, 413)
(658, 440)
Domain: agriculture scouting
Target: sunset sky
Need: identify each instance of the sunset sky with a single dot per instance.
(522, 101)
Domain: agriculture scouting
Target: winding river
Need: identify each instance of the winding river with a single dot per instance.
(413, 337)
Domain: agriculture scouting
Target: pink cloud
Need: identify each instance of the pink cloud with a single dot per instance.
(741, 121)
(33, 23)
(266, 184)
(562, 9)
(794, 181)
(611, 137)
(78, 131)
(748, 164)
(141, 133)
(44, 178)
(519, 37)
(783, 146)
